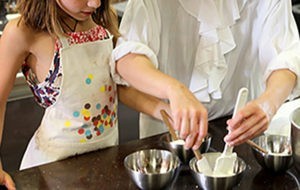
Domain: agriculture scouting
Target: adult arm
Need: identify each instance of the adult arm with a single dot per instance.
(255, 117)
(142, 38)
(279, 59)
(189, 115)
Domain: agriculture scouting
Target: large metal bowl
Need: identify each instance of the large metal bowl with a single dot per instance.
(279, 157)
(152, 168)
(295, 136)
(178, 148)
(211, 181)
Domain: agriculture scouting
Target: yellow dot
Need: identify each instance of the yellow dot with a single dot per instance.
(85, 113)
(67, 123)
(91, 76)
(102, 89)
(82, 140)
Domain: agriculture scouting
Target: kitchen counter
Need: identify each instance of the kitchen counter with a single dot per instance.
(104, 169)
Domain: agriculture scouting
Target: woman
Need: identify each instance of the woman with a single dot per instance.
(215, 48)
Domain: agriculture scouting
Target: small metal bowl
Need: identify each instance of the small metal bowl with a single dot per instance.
(178, 148)
(212, 181)
(279, 157)
(152, 168)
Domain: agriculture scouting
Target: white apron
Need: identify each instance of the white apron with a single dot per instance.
(84, 117)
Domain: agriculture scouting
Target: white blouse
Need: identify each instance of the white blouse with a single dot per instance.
(214, 46)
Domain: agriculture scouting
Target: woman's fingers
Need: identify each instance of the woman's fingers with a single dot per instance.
(249, 122)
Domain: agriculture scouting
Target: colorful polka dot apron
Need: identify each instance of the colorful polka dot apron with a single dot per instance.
(84, 116)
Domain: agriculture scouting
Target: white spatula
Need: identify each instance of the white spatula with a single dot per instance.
(225, 163)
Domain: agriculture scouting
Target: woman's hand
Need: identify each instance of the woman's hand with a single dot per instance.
(6, 180)
(250, 121)
(189, 116)
(255, 117)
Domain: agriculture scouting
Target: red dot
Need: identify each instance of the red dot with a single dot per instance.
(81, 131)
(95, 123)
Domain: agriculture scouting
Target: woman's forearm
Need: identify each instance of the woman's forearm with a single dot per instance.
(188, 114)
(139, 72)
(280, 84)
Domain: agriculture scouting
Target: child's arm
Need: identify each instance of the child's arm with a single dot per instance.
(13, 51)
(142, 102)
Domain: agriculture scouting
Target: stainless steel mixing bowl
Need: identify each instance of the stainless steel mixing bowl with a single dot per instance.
(279, 156)
(185, 155)
(295, 136)
(212, 181)
(152, 168)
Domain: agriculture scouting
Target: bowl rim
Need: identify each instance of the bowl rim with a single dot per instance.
(270, 154)
(193, 160)
(128, 168)
(165, 139)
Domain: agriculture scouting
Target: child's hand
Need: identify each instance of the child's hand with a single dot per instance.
(6, 180)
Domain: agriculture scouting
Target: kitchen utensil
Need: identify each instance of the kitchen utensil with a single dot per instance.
(254, 145)
(152, 168)
(279, 156)
(295, 136)
(202, 161)
(209, 182)
(225, 163)
(177, 147)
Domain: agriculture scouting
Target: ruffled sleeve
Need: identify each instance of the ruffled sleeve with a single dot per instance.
(140, 31)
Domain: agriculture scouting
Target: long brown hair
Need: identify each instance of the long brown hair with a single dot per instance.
(43, 15)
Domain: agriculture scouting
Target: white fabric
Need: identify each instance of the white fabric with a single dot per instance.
(215, 46)
(281, 124)
(125, 48)
(84, 117)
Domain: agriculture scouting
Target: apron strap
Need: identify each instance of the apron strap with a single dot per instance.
(64, 42)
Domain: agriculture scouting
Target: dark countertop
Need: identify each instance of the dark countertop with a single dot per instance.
(104, 169)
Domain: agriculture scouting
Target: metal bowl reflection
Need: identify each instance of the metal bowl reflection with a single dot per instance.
(152, 168)
(213, 181)
(279, 157)
(177, 147)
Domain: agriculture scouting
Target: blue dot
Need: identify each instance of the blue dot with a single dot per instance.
(98, 106)
(88, 81)
(76, 113)
(87, 132)
(101, 128)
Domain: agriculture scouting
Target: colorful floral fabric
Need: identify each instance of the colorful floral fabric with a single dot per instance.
(45, 93)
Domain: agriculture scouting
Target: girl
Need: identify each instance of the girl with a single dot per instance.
(63, 48)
